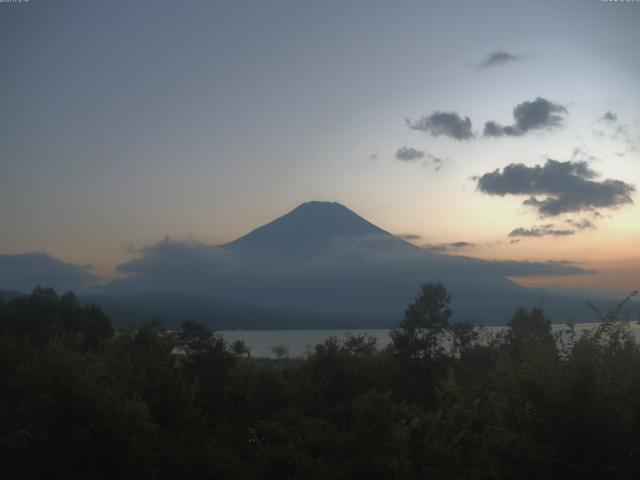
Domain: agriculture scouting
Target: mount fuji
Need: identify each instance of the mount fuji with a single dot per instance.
(319, 266)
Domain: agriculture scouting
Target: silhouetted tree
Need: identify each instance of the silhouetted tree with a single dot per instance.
(207, 361)
(425, 320)
(240, 348)
(43, 315)
(195, 337)
(280, 351)
(529, 328)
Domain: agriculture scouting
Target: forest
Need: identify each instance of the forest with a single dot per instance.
(444, 400)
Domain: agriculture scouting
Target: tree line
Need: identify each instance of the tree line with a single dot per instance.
(78, 400)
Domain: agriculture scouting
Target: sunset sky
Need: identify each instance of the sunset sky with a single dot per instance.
(495, 129)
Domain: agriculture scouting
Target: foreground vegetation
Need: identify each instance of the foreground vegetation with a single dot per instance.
(78, 401)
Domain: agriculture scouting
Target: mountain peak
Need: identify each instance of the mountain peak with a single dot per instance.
(323, 209)
(320, 204)
(304, 232)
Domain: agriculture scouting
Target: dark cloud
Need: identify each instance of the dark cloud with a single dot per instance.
(494, 129)
(22, 272)
(191, 266)
(341, 274)
(498, 58)
(174, 258)
(582, 154)
(531, 115)
(609, 117)
(433, 161)
(408, 154)
(567, 187)
(449, 124)
(618, 131)
(540, 113)
(541, 231)
(410, 236)
(581, 224)
(461, 244)
(622, 132)
(447, 247)
(553, 230)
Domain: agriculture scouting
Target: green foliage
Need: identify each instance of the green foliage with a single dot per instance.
(43, 315)
(529, 333)
(280, 351)
(443, 400)
(425, 321)
(240, 348)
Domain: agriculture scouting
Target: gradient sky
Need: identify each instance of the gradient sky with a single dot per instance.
(123, 122)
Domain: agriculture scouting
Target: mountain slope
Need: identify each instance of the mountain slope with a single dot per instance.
(307, 231)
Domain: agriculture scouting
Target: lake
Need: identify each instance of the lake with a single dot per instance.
(298, 341)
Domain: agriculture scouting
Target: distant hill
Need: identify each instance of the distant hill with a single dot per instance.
(6, 295)
(171, 309)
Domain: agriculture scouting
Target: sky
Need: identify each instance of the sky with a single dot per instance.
(496, 129)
